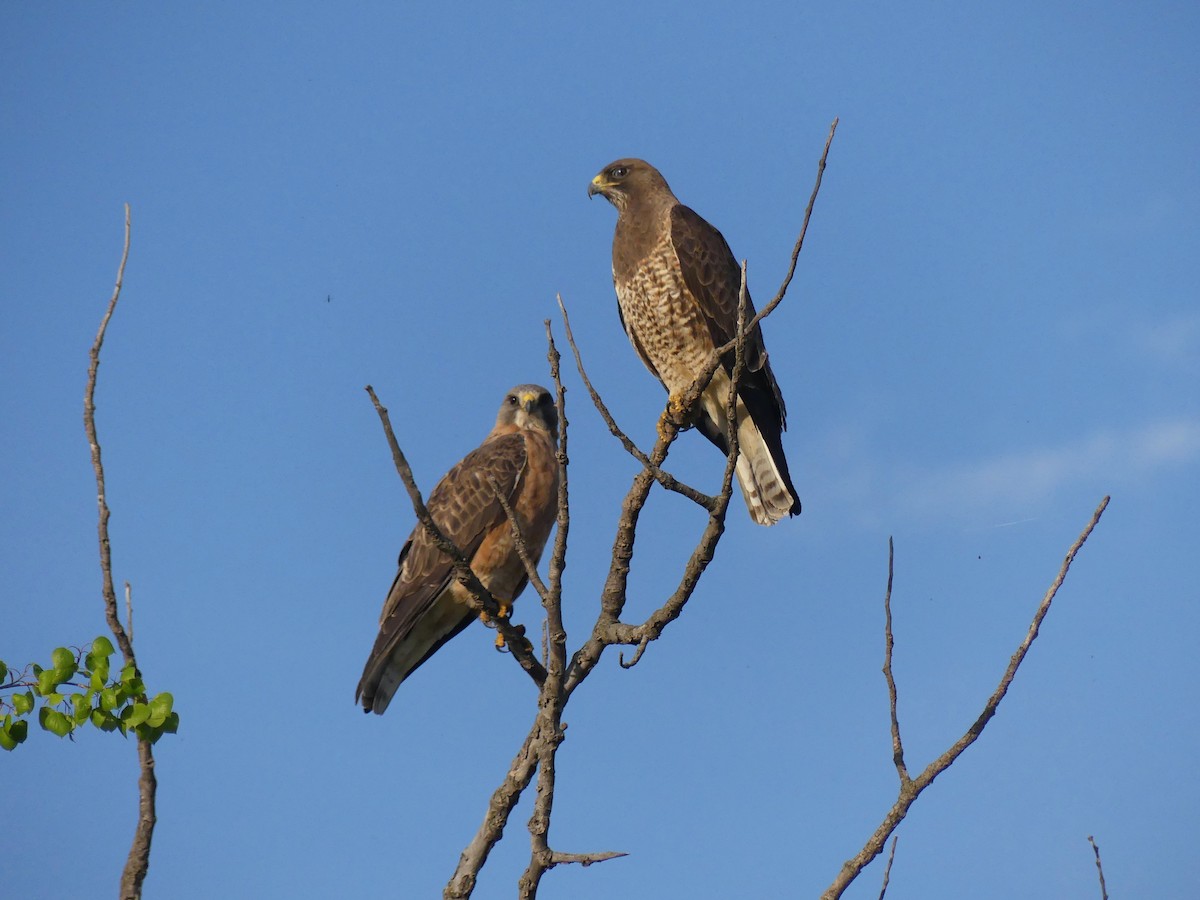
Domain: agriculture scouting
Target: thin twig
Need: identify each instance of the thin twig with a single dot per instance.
(480, 598)
(887, 870)
(664, 478)
(715, 358)
(89, 424)
(812, 199)
(137, 864)
(527, 560)
(910, 790)
(129, 611)
(584, 859)
(1099, 868)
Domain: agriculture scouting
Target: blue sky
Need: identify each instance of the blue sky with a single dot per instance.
(994, 324)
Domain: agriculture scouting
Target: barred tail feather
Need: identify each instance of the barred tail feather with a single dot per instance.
(761, 470)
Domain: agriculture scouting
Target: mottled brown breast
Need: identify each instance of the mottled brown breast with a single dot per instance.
(661, 317)
(497, 562)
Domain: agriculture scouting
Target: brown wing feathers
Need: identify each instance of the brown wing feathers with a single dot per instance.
(465, 508)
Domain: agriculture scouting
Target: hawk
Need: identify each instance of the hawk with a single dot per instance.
(677, 292)
(427, 606)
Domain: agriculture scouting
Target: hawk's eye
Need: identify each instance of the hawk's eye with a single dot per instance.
(619, 172)
(511, 399)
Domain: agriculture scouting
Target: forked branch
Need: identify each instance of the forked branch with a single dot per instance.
(911, 788)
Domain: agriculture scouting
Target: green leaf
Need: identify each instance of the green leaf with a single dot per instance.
(7, 741)
(3, 671)
(55, 722)
(54, 698)
(160, 706)
(171, 725)
(23, 703)
(46, 682)
(108, 699)
(19, 731)
(62, 658)
(135, 715)
(105, 721)
(129, 672)
(102, 646)
(81, 708)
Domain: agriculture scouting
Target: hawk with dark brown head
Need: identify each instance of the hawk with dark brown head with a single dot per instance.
(427, 606)
(677, 291)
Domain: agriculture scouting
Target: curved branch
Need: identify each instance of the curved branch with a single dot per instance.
(665, 478)
(137, 864)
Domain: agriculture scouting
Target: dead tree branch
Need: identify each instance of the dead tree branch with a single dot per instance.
(1099, 868)
(137, 864)
(887, 870)
(911, 788)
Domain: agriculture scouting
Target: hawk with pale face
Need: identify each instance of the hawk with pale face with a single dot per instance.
(427, 605)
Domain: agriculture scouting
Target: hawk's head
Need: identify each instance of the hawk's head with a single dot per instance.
(529, 406)
(629, 180)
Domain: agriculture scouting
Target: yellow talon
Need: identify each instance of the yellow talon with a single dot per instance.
(503, 609)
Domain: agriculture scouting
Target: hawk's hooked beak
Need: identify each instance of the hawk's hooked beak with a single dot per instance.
(528, 402)
(597, 186)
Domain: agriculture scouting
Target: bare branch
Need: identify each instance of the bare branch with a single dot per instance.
(1099, 868)
(584, 859)
(129, 611)
(652, 628)
(556, 632)
(531, 571)
(89, 424)
(889, 643)
(503, 802)
(546, 734)
(787, 279)
(137, 864)
(642, 644)
(481, 599)
(910, 790)
(887, 870)
(664, 478)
